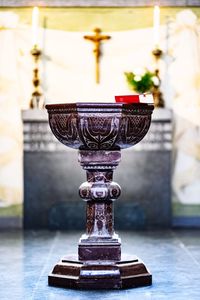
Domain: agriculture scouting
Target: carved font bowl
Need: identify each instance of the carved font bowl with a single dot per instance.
(99, 126)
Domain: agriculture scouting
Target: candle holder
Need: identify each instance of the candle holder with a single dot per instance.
(99, 131)
(36, 99)
(157, 94)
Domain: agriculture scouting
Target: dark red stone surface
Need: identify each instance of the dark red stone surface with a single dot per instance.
(99, 131)
(100, 275)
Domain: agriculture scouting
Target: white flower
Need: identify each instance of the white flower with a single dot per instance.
(139, 72)
(137, 78)
(155, 80)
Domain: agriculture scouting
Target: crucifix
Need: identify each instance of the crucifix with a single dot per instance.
(96, 39)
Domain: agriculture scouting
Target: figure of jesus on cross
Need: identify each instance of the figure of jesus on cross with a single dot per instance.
(96, 39)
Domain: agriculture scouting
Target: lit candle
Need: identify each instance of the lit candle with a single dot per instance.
(156, 25)
(35, 25)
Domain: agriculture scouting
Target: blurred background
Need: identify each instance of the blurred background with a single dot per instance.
(44, 58)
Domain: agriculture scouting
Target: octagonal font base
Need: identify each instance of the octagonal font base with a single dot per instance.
(76, 274)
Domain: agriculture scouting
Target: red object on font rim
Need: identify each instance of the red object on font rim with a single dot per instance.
(144, 98)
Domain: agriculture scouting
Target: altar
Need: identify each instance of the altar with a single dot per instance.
(52, 177)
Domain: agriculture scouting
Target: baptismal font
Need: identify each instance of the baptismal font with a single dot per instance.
(99, 131)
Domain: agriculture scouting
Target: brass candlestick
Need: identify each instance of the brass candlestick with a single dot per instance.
(36, 101)
(157, 94)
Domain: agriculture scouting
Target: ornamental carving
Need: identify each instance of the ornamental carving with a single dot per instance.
(98, 132)
(64, 127)
(90, 216)
(95, 191)
(134, 128)
(99, 218)
(100, 126)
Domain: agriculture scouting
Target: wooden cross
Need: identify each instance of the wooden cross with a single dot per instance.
(96, 39)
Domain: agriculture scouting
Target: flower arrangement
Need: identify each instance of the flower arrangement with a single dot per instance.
(142, 81)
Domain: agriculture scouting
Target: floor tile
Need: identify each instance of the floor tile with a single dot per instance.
(173, 257)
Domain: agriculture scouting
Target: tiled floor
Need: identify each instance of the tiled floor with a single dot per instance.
(173, 257)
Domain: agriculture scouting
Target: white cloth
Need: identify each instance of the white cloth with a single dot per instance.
(10, 121)
(185, 76)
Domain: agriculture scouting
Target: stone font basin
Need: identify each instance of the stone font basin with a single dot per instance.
(99, 126)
